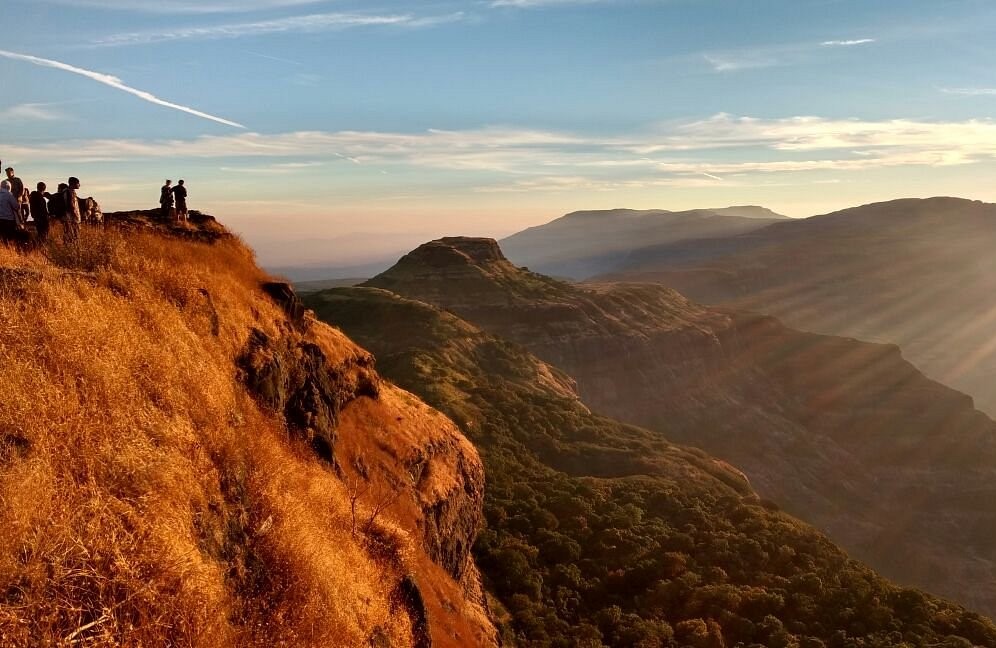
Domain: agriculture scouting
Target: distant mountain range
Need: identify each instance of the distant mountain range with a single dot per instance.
(604, 534)
(917, 273)
(586, 243)
(847, 435)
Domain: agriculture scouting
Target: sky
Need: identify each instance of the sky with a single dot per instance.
(335, 132)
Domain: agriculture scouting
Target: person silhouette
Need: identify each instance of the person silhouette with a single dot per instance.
(71, 223)
(166, 199)
(180, 194)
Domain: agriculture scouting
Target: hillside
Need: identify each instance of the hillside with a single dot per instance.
(600, 533)
(188, 459)
(583, 244)
(846, 435)
(917, 273)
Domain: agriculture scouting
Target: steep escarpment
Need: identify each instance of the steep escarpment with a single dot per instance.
(604, 534)
(917, 273)
(188, 458)
(846, 435)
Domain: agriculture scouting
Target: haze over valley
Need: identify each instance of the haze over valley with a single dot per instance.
(498, 324)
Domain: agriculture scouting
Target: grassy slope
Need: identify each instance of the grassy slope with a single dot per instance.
(603, 534)
(146, 499)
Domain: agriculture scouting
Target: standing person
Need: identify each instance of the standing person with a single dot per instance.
(10, 214)
(57, 203)
(39, 210)
(71, 226)
(180, 193)
(19, 191)
(166, 198)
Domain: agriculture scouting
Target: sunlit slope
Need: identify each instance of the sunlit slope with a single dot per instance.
(187, 460)
(586, 243)
(917, 273)
(897, 469)
(600, 533)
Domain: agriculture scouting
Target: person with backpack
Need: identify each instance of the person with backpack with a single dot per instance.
(19, 191)
(166, 199)
(39, 210)
(56, 204)
(11, 226)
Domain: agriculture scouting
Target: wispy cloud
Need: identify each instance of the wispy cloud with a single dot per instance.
(766, 56)
(717, 147)
(185, 6)
(528, 4)
(282, 168)
(847, 43)
(971, 92)
(32, 112)
(736, 61)
(311, 23)
(116, 83)
(278, 59)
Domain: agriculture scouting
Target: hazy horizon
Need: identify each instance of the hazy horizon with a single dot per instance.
(338, 132)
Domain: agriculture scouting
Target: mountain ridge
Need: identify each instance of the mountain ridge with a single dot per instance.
(585, 243)
(604, 534)
(798, 412)
(916, 272)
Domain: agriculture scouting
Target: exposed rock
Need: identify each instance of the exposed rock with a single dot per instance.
(292, 377)
(409, 596)
(283, 293)
(199, 227)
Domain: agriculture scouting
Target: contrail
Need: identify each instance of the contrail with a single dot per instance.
(709, 175)
(114, 82)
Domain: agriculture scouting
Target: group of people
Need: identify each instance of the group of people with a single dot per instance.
(170, 195)
(17, 204)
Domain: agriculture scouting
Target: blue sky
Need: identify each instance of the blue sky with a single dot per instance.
(335, 131)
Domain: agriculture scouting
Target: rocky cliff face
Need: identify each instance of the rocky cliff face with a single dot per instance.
(406, 461)
(188, 457)
(844, 434)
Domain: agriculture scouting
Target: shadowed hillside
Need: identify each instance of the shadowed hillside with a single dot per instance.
(600, 533)
(896, 468)
(917, 273)
(188, 459)
(586, 243)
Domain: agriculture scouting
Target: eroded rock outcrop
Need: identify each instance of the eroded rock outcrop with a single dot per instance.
(409, 463)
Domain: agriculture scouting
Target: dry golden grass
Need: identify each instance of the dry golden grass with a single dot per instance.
(145, 500)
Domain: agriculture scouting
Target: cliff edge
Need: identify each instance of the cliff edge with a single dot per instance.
(187, 457)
